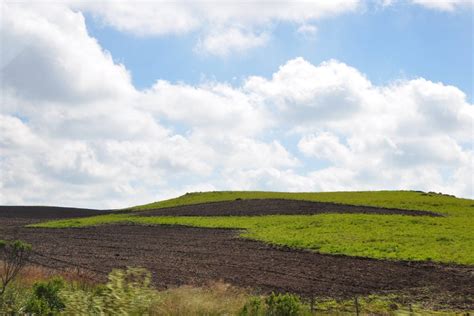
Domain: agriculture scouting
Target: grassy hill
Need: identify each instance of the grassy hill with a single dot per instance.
(447, 239)
(410, 200)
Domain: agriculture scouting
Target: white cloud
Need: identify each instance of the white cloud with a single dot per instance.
(216, 108)
(306, 94)
(223, 28)
(74, 130)
(438, 5)
(404, 129)
(162, 17)
(324, 146)
(42, 59)
(307, 30)
(148, 18)
(224, 42)
(444, 5)
(228, 26)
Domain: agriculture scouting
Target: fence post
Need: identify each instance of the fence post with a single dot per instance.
(356, 305)
(312, 303)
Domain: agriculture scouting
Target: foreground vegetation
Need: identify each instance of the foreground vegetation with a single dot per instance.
(129, 292)
(447, 239)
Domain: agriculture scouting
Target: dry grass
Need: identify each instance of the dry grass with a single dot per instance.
(33, 273)
(217, 298)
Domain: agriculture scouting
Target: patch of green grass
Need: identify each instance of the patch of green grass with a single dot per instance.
(398, 237)
(379, 305)
(448, 239)
(86, 221)
(411, 200)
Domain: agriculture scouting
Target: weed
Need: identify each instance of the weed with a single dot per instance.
(283, 305)
(274, 305)
(14, 256)
(127, 292)
(45, 299)
(254, 307)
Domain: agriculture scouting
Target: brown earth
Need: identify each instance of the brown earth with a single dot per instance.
(274, 207)
(183, 255)
(47, 212)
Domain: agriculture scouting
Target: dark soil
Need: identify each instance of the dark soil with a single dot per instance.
(274, 207)
(47, 212)
(183, 255)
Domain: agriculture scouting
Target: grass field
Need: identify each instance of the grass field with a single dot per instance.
(448, 239)
(411, 200)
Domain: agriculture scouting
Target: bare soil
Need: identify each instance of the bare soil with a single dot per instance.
(47, 212)
(183, 255)
(274, 207)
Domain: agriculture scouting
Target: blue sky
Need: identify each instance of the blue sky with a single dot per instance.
(115, 103)
(387, 44)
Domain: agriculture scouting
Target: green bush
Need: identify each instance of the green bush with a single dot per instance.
(253, 307)
(283, 305)
(46, 299)
(274, 305)
(128, 292)
(14, 299)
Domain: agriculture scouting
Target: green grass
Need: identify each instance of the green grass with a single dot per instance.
(398, 237)
(411, 200)
(448, 239)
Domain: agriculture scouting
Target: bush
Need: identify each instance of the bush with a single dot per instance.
(275, 305)
(46, 299)
(253, 307)
(14, 299)
(283, 305)
(14, 256)
(127, 292)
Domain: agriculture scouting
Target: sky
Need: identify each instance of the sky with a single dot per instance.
(115, 103)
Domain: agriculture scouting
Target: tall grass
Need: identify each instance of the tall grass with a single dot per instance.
(217, 298)
(130, 292)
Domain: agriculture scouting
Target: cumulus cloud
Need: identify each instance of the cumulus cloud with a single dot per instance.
(74, 130)
(306, 94)
(372, 135)
(162, 17)
(222, 29)
(151, 18)
(42, 60)
(229, 26)
(215, 108)
(324, 146)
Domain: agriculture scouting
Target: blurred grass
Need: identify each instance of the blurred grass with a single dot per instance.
(130, 292)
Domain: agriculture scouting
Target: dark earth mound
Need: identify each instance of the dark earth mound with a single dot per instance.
(183, 255)
(274, 207)
(47, 212)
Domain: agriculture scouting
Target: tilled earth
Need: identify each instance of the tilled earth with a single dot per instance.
(274, 207)
(183, 255)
